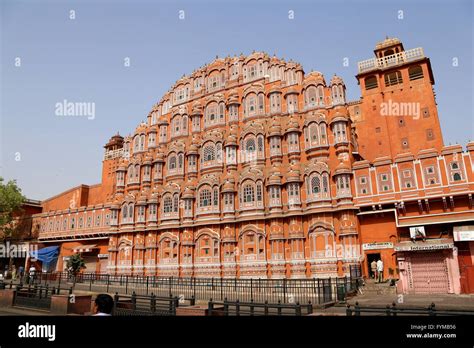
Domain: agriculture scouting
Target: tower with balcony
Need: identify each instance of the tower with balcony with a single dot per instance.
(398, 110)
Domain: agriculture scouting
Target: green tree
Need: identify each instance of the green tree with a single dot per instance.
(11, 200)
(75, 264)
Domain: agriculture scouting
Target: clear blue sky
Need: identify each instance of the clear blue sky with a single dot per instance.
(82, 60)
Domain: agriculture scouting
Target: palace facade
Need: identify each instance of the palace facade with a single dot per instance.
(252, 168)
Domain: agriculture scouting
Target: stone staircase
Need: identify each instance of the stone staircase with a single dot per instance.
(372, 288)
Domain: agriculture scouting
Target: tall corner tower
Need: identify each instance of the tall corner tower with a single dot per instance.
(113, 154)
(398, 111)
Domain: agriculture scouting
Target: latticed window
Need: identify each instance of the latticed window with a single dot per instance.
(218, 151)
(204, 198)
(216, 197)
(259, 192)
(175, 203)
(322, 132)
(248, 193)
(260, 144)
(209, 153)
(250, 145)
(172, 162)
(325, 184)
(311, 96)
(167, 205)
(315, 185)
(251, 106)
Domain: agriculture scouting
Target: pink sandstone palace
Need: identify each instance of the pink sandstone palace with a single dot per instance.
(252, 168)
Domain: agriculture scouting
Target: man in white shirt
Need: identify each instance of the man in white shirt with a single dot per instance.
(103, 305)
(380, 271)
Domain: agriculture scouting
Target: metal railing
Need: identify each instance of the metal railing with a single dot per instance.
(393, 310)
(252, 308)
(315, 290)
(391, 60)
(36, 296)
(136, 305)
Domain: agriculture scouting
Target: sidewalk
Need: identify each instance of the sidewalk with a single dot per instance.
(19, 311)
(441, 301)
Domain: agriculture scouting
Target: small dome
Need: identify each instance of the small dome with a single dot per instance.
(343, 168)
(336, 80)
(292, 125)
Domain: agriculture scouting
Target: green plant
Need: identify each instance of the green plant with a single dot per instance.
(75, 264)
(11, 201)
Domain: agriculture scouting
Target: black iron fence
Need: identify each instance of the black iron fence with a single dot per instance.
(317, 291)
(237, 308)
(36, 296)
(393, 310)
(136, 305)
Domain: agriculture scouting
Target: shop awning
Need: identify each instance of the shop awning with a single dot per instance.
(427, 245)
(84, 248)
(435, 219)
(46, 255)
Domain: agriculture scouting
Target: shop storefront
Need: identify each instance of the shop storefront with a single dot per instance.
(464, 242)
(428, 266)
(379, 251)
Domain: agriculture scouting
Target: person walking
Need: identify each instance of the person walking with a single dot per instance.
(373, 268)
(21, 269)
(32, 273)
(13, 272)
(380, 271)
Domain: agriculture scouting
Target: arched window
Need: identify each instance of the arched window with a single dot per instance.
(454, 165)
(215, 198)
(124, 212)
(209, 153)
(221, 112)
(248, 192)
(310, 96)
(261, 104)
(457, 177)
(204, 198)
(185, 124)
(325, 183)
(176, 125)
(250, 145)
(167, 204)
(393, 78)
(142, 142)
(211, 114)
(315, 185)
(370, 82)
(251, 104)
(415, 72)
(172, 163)
(130, 212)
(260, 144)
(313, 134)
(175, 203)
(137, 172)
(322, 133)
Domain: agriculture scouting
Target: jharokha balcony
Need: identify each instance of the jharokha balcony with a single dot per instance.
(391, 60)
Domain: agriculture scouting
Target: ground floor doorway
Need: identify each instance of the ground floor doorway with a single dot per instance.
(371, 258)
